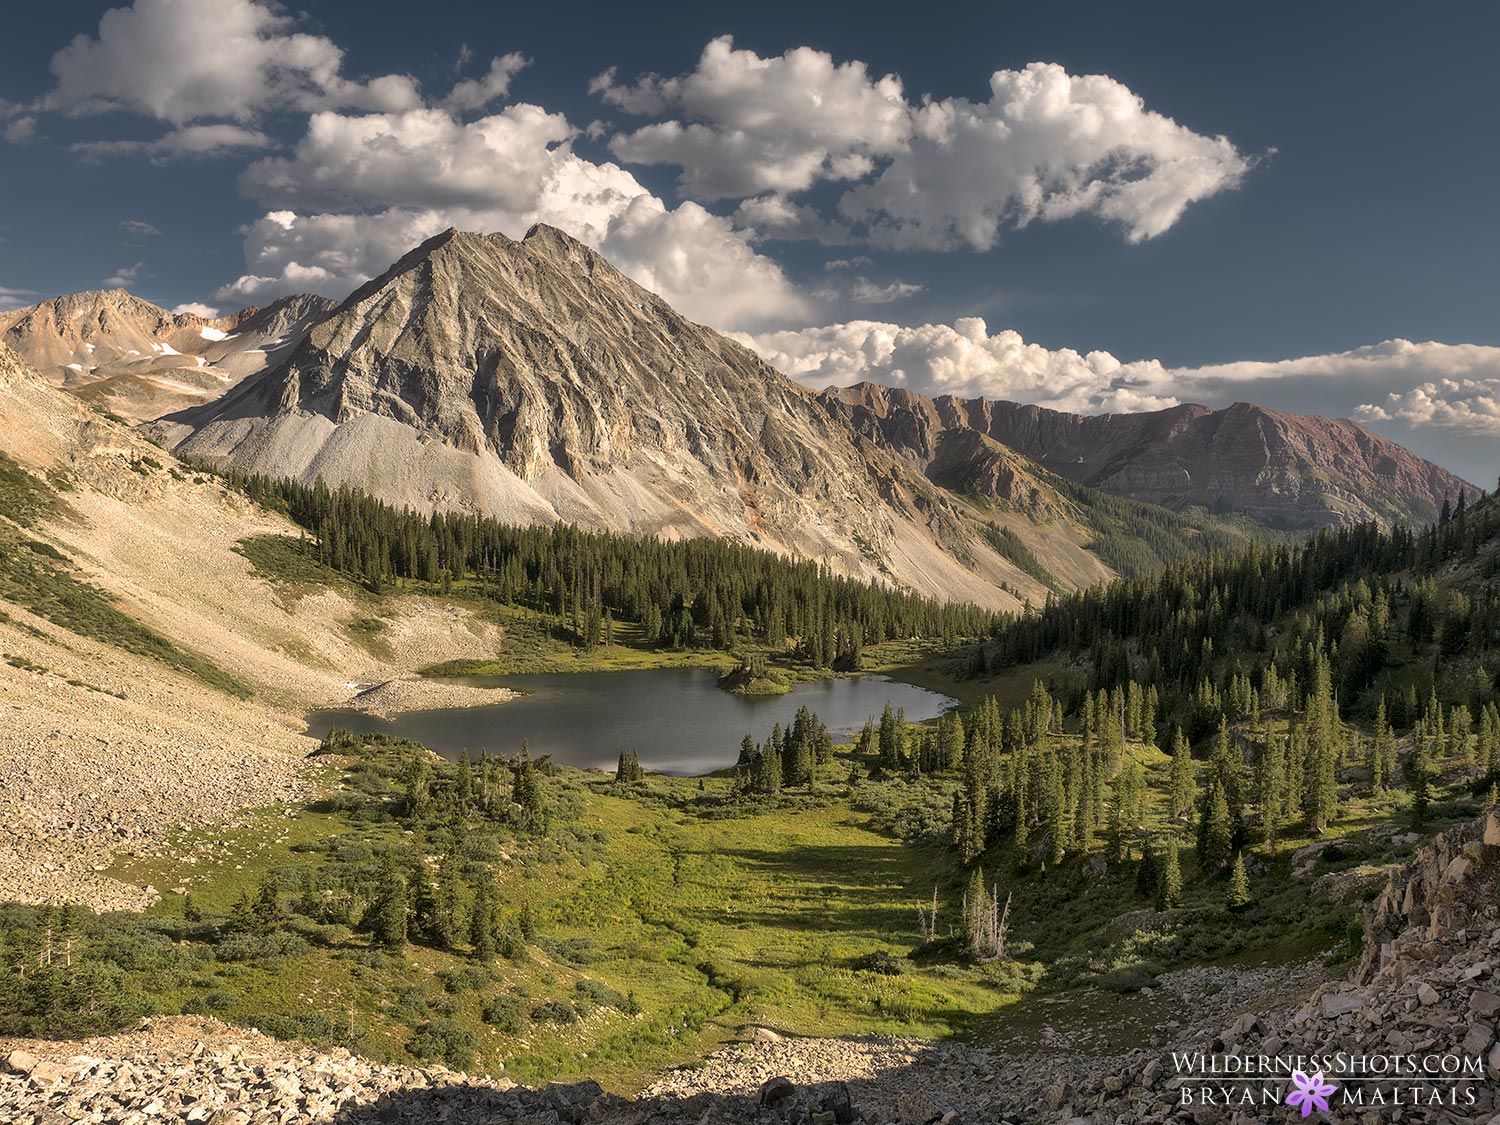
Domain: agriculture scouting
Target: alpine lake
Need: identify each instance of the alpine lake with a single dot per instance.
(678, 720)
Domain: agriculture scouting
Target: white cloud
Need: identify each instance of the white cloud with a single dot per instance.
(196, 308)
(1389, 360)
(139, 228)
(962, 359)
(751, 125)
(191, 60)
(359, 191)
(15, 298)
(1046, 146)
(1453, 387)
(21, 130)
(124, 277)
(776, 216)
(1470, 406)
(188, 141)
(476, 93)
(870, 292)
(420, 158)
(941, 173)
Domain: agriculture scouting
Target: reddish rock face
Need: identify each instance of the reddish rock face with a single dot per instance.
(1282, 470)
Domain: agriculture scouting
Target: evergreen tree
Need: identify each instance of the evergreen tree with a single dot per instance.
(1218, 830)
(387, 916)
(1169, 884)
(1182, 783)
(1238, 894)
(484, 922)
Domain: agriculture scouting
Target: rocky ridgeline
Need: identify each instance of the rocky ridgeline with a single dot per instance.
(1428, 983)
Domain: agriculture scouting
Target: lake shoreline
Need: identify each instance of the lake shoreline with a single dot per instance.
(680, 720)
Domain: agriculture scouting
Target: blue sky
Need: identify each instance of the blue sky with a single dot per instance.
(1183, 202)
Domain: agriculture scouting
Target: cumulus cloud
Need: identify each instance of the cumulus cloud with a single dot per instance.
(941, 173)
(191, 60)
(1470, 406)
(418, 158)
(15, 298)
(476, 93)
(1453, 387)
(870, 292)
(21, 130)
(196, 308)
(1046, 146)
(963, 359)
(359, 191)
(751, 125)
(124, 277)
(189, 141)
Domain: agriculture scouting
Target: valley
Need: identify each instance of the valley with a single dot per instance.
(566, 776)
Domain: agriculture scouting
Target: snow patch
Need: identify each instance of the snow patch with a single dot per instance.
(217, 335)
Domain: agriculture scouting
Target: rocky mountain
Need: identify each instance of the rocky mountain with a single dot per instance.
(531, 381)
(1282, 470)
(138, 360)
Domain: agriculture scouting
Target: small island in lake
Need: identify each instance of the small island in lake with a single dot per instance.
(755, 677)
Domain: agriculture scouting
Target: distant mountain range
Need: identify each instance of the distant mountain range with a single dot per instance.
(139, 361)
(531, 381)
(1285, 471)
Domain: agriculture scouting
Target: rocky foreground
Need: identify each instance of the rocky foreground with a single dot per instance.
(1428, 985)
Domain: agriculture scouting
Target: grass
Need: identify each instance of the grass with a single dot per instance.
(36, 575)
(668, 917)
(281, 561)
(23, 498)
(38, 581)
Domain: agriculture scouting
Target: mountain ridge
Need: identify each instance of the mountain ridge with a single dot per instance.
(1287, 471)
(138, 360)
(530, 380)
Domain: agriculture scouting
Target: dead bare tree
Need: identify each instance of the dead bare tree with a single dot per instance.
(927, 920)
(986, 923)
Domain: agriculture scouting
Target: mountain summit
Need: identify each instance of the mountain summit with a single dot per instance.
(532, 381)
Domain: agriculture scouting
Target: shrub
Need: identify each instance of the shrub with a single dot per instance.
(882, 962)
(219, 1000)
(444, 1040)
(554, 1011)
(504, 1012)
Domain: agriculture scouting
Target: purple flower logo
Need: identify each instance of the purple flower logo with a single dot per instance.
(1310, 1093)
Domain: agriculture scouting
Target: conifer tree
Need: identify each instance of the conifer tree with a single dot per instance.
(388, 911)
(1419, 775)
(483, 921)
(1182, 783)
(1238, 893)
(1169, 883)
(1218, 830)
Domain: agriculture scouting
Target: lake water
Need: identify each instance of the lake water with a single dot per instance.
(677, 719)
